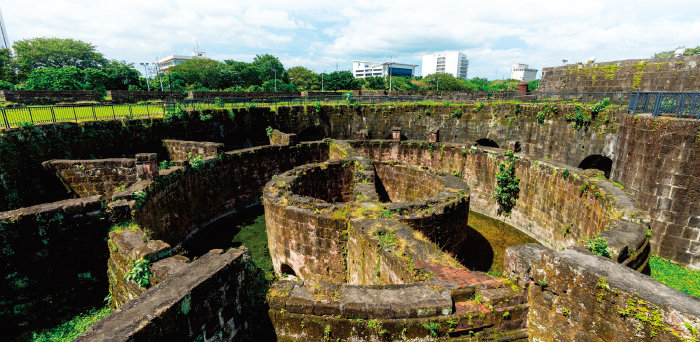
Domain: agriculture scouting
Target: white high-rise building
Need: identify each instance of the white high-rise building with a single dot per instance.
(168, 62)
(455, 63)
(361, 69)
(523, 72)
(5, 43)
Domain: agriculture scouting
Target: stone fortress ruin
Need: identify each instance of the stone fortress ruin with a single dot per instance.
(366, 210)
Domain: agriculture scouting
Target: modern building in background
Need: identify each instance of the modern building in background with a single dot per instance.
(5, 43)
(455, 63)
(362, 69)
(523, 72)
(173, 60)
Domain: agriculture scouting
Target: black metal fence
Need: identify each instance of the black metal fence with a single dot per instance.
(680, 105)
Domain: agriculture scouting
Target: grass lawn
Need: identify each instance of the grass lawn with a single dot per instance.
(675, 276)
(70, 330)
(253, 234)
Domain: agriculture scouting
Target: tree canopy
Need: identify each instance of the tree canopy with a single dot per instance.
(303, 78)
(444, 81)
(341, 80)
(38, 53)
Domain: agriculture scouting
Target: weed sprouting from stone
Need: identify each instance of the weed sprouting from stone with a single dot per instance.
(139, 273)
(598, 246)
(433, 327)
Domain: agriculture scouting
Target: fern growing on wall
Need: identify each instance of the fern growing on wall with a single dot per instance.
(507, 188)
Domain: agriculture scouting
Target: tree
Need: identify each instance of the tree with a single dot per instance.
(478, 84)
(375, 83)
(280, 86)
(243, 74)
(67, 78)
(442, 81)
(7, 74)
(341, 80)
(120, 75)
(38, 53)
(201, 73)
(270, 68)
(303, 78)
(504, 85)
(94, 79)
(400, 83)
(533, 85)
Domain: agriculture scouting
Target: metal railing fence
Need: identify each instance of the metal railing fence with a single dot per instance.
(679, 105)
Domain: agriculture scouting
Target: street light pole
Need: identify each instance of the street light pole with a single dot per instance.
(158, 73)
(145, 68)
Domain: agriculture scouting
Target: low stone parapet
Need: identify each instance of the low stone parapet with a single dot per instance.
(574, 294)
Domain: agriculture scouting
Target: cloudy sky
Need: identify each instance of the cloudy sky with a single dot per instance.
(322, 34)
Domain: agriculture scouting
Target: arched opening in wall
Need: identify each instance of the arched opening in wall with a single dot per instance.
(516, 147)
(486, 142)
(598, 162)
(287, 270)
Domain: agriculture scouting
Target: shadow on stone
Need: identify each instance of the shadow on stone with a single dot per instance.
(477, 253)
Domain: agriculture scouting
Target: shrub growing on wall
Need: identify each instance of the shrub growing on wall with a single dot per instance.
(507, 185)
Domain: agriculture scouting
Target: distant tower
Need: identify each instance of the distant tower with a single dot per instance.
(5, 43)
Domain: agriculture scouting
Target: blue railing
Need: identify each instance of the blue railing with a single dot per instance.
(679, 105)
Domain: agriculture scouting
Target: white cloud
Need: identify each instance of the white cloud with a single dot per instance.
(495, 34)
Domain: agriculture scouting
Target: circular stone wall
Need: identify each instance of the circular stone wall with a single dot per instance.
(307, 212)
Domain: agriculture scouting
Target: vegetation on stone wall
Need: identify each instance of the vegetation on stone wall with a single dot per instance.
(140, 273)
(507, 188)
(598, 246)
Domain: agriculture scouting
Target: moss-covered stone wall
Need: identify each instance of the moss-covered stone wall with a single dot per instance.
(659, 163)
(577, 296)
(550, 202)
(53, 260)
(83, 178)
(180, 151)
(179, 204)
(209, 299)
(651, 74)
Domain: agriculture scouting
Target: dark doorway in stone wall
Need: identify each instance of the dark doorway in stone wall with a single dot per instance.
(288, 270)
(597, 162)
(516, 147)
(486, 142)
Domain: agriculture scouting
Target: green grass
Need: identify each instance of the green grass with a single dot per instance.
(70, 330)
(254, 236)
(675, 276)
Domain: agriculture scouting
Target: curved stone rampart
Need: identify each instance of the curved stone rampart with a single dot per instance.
(177, 205)
(560, 209)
